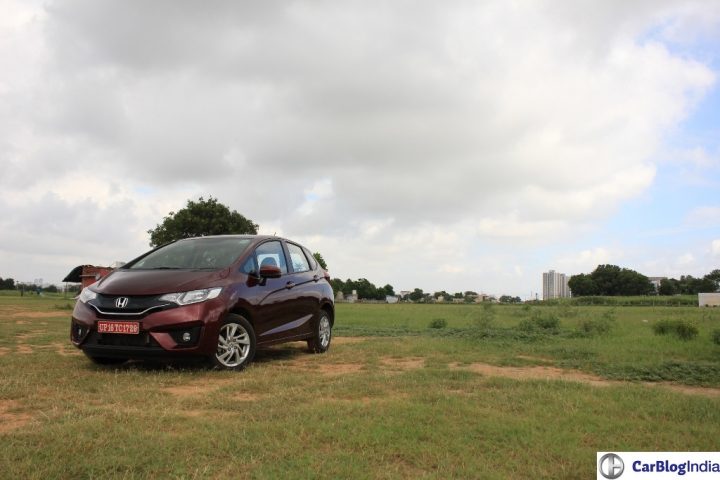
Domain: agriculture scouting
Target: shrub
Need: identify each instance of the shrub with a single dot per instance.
(598, 326)
(716, 336)
(540, 323)
(438, 323)
(485, 319)
(548, 322)
(683, 330)
(527, 325)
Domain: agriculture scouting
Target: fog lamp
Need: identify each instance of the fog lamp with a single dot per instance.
(186, 337)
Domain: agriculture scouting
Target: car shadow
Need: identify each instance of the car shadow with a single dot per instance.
(266, 355)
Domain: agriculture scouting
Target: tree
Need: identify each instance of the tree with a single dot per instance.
(7, 284)
(509, 299)
(668, 286)
(610, 280)
(198, 219)
(388, 290)
(319, 258)
(416, 295)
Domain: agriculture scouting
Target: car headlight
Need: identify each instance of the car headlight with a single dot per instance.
(194, 296)
(86, 295)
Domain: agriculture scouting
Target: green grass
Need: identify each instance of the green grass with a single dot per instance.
(401, 402)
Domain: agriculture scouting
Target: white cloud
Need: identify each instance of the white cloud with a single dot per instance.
(715, 248)
(402, 139)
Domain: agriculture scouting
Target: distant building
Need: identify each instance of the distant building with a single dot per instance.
(656, 282)
(86, 274)
(555, 285)
(709, 299)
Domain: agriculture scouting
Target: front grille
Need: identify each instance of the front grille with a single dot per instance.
(143, 339)
(135, 306)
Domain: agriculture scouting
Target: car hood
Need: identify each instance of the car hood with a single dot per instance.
(157, 282)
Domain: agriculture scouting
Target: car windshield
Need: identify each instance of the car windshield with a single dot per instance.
(194, 254)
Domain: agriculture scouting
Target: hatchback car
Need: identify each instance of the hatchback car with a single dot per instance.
(218, 297)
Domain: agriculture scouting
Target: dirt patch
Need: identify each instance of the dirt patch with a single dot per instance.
(409, 363)
(535, 359)
(533, 373)
(4, 351)
(687, 389)
(338, 368)
(348, 340)
(29, 314)
(65, 350)
(24, 349)
(248, 397)
(553, 373)
(10, 420)
(198, 387)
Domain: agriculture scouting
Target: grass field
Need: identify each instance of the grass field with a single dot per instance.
(499, 392)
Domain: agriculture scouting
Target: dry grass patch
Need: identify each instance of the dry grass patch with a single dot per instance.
(406, 363)
(533, 373)
(10, 420)
(32, 314)
(198, 387)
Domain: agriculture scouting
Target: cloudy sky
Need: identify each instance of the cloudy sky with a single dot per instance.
(456, 145)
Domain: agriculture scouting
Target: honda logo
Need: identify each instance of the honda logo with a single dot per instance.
(121, 302)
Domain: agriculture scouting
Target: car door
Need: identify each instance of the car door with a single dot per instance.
(303, 282)
(274, 298)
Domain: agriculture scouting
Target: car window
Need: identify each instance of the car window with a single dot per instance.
(194, 253)
(271, 253)
(297, 258)
(313, 263)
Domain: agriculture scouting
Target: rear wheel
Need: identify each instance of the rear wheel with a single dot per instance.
(235, 344)
(320, 342)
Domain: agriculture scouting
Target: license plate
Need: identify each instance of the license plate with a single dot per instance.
(124, 328)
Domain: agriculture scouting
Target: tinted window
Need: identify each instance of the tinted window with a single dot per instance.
(313, 263)
(271, 253)
(195, 253)
(297, 258)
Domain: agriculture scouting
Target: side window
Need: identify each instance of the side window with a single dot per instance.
(313, 263)
(271, 253)
(297, 258)
(249, 266)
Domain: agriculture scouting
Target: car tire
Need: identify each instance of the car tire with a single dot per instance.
(107, 361)
(235, 344)
(322, 334)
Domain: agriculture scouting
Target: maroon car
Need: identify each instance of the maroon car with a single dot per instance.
(217, 297)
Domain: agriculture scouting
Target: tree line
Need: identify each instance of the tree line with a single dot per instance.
(612, 280)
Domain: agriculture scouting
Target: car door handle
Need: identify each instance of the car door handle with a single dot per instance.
(289, 285)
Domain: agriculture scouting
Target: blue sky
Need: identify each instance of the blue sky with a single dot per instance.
(447, 146)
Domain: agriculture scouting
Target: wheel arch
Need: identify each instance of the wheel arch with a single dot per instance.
(329, 308)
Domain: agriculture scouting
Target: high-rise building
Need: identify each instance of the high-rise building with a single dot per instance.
(555, 285)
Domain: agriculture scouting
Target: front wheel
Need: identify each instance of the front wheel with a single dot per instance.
(320, 342)
(235, 344)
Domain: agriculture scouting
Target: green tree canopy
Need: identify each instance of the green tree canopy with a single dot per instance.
(610, 280)
(319, 258)
(199, 219)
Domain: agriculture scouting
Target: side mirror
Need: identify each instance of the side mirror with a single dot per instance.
(270, 271)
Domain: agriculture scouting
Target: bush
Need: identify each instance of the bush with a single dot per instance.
(485, 320)
(683, 330)
(438, 323)
(540, 323)
(598, 326)
(716, 337)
